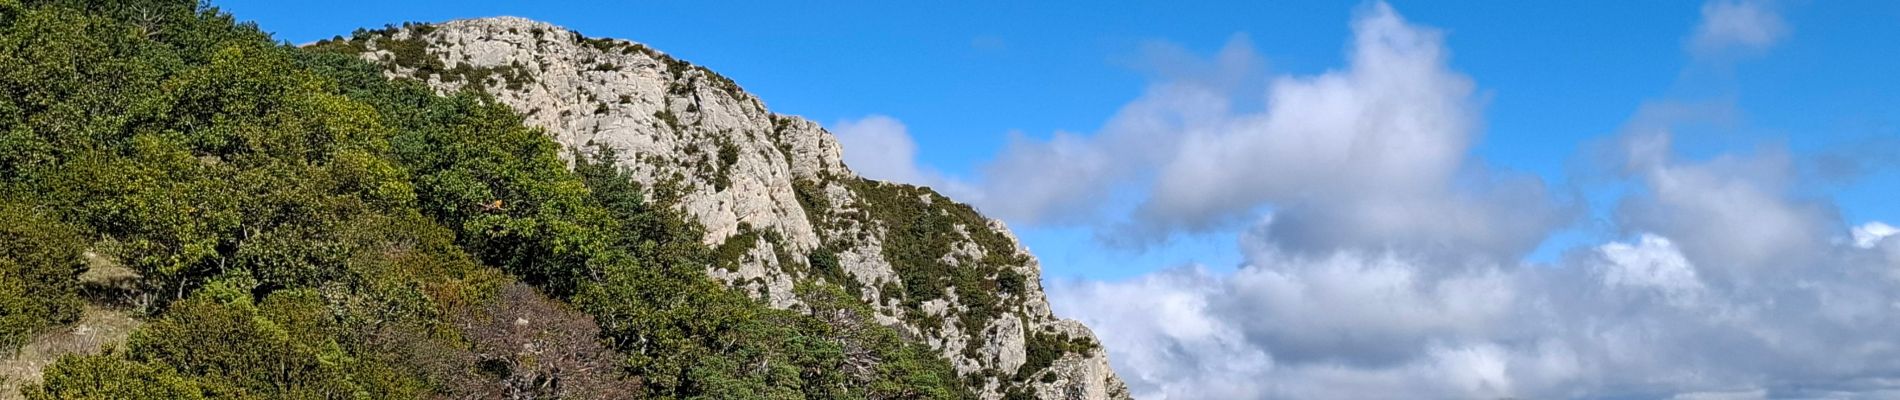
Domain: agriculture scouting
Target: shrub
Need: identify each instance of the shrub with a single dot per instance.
(40, 264)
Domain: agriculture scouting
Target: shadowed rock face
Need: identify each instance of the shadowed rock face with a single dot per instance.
(774, 196)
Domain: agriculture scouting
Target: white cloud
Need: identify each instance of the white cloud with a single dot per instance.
(880, 147)
(1733, 211)
(1068, 178)
(1389, 265)
(1653, 263)
(1737, 25)
(1622, 319)
(1178, 329)
(1388, 268)
(1871, 234)
(1373, 155)
(1359, 319)
(1047, 181)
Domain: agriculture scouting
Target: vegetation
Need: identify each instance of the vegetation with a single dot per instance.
(303, 227)
(728, 154)
(477, 79)
(923, 226)
(940, 250)
(39, 273)
(1045, 348)
(689, 336)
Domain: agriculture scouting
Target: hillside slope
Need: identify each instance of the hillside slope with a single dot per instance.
(292, 224)
(772, 193)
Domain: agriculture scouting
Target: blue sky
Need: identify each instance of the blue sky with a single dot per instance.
(1574, 185)
(963, 76)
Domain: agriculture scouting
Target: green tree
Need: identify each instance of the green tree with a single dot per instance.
(40, 264)
(108, 377)
(315, 230)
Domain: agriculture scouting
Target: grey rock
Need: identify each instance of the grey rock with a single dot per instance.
(736, 167)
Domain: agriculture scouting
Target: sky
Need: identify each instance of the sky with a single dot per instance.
(1324, 199)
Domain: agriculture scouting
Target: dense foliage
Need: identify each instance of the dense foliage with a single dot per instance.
(689, 335)
(303, 227)
(39, 270)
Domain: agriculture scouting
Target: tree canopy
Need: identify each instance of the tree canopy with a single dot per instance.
(304, 227)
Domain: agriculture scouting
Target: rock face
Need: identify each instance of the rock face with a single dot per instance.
(774, 196)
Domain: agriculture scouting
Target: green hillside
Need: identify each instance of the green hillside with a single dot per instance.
(302, 227)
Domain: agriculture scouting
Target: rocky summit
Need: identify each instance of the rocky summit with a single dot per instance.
(773, 195)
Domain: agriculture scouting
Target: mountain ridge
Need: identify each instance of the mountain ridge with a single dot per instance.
(772, 193)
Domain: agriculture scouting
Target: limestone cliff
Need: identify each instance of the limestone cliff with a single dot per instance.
(774, 196)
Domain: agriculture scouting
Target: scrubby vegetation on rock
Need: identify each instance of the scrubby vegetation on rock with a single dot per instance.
(303, 227)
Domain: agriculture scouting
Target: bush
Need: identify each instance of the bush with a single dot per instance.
(40, 263)
(285, 347)
(318, 231)
(107, 377)
(1045, 348)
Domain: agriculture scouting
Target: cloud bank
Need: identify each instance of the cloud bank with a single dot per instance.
(1383, 260)
(1389, 266)
(1733, 286)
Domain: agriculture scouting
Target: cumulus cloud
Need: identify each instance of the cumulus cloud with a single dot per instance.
(1385, 260)
(1376, 154)
(1737, 25)
(1651, 263)
(1178, 327)
(1068, 178)
(1388, 267)
(880, 147)
(1395, 117)
(1872, 233)
(1639, 318)
(1735, 212)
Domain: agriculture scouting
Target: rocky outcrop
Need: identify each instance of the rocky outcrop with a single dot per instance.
(774, 196)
